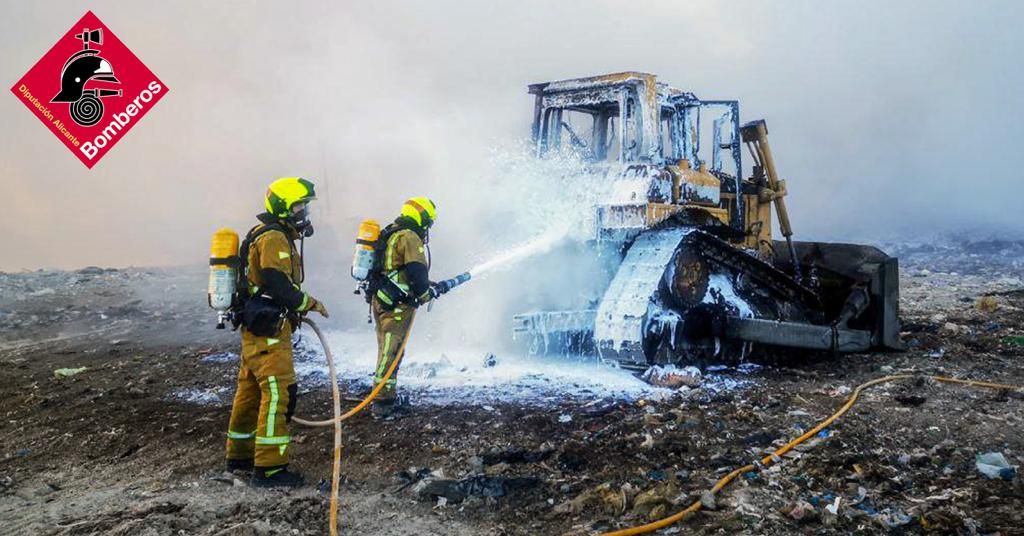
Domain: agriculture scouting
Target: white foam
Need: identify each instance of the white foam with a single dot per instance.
(460, 375)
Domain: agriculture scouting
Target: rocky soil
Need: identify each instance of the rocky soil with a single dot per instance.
(109, 450)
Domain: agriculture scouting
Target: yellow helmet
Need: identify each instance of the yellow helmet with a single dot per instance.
(421, 210)
(285, 192)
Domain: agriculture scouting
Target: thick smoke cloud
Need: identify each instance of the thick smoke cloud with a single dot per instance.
(888, 120)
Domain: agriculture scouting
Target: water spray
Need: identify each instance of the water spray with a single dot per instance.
(536, 246)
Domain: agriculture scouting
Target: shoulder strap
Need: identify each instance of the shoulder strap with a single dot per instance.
(243, 250)
(381, 246)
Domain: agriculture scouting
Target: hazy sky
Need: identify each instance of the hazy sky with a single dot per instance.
(886, 118)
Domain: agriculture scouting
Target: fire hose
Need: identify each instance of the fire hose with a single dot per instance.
(338, 417)
(776, 456)
(336, 395)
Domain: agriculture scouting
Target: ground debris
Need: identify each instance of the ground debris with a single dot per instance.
(895, 464)
(457, 491)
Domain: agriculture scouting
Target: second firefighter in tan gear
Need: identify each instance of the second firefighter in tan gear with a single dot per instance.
(404, 285)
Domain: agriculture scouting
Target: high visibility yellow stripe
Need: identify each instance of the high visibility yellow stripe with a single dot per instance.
(272, 411)
(383, 357)
(391, 250)
(305, 302)
(239, 435)
(279, 440)
(283, 255)
(384, 297)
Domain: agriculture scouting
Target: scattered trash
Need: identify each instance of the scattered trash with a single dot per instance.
(611, 501)
(707, 500)
(994, 465)
(68, 372)
(834, 507)
(862, 493)
(657, 475)
(564, 418)
(801, 511)
(842, 390)
(760, 439)
(654, 502)
(672, 377)
(893, 518)
(910, 400)
(986, 304)
(598, 407)
(1017, 340)
(456, 491)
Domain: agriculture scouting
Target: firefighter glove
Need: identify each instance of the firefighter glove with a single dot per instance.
(319, 307)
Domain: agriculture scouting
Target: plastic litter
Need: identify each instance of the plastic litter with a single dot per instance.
(994, 465)
(1015, 341)
(68, 372)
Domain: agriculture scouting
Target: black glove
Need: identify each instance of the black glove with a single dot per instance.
(439, 288)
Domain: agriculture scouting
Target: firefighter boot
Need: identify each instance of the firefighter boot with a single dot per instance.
(276, 477)
(390, 409)
(239, 465)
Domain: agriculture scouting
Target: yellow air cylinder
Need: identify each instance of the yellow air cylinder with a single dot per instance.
(362, 258)
(223, 271)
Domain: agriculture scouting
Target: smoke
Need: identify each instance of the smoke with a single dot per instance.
(887, 120)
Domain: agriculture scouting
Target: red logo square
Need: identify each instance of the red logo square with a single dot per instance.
(89, 89)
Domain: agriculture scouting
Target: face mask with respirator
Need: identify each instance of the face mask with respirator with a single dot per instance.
(299, 219)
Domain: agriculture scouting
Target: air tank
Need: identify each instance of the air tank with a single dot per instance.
(362, 258)
(223, 273)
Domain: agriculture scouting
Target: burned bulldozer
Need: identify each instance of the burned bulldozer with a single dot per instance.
(700, 277)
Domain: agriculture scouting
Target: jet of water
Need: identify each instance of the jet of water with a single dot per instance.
(538, 245)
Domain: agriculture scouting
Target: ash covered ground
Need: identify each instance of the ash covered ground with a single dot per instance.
(133, 443)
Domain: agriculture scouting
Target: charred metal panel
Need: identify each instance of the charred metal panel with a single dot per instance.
(885, 290)
(796, 335)
(546, 322)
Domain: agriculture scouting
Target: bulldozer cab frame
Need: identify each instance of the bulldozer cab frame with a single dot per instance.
(630, 117)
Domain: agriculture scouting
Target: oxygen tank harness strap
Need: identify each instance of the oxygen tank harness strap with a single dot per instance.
(230, 262)
(384, 285)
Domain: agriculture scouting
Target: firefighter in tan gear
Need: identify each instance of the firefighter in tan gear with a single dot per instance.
(400, 283)
(265, 397)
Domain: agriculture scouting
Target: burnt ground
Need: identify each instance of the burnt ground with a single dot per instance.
(111, 451)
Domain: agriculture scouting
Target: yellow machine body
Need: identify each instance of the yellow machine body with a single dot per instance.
(223, 270)
(362, 257)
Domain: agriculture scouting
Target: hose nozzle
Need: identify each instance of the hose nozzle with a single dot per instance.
(458, 280)
(442, 287)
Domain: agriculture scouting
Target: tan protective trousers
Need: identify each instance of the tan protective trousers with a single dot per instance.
(392, 329)
(264, 400)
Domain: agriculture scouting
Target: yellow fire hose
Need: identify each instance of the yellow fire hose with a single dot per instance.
(776, 456)
(338, 418)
